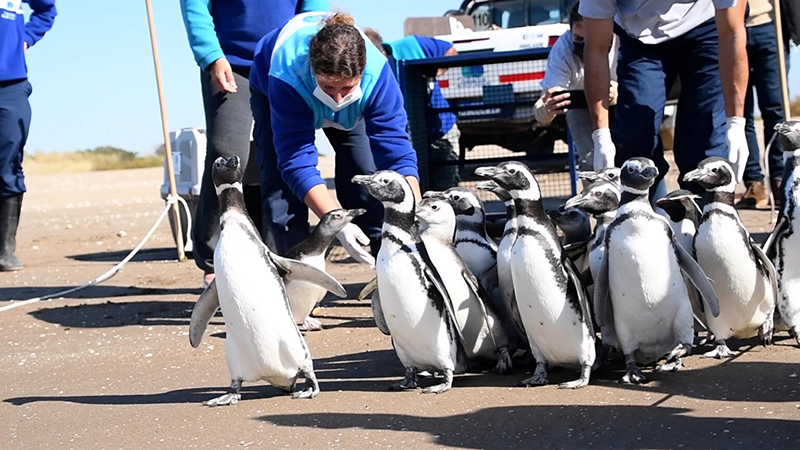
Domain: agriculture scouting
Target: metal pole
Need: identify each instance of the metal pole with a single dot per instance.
(167, 147)
(787, 106)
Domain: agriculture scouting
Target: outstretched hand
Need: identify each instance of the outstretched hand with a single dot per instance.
(353, 240)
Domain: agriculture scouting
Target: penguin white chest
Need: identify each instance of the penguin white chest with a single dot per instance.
(262, 341)
(787, 263)
(745, 295)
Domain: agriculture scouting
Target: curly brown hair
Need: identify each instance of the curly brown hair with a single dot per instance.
(338, 48)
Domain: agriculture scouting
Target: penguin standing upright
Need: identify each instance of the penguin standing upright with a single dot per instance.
(304, 296)
(471, 241)
(744, 278)
(576, 228)
(640, 285)
(480, 327)
(262, 340)
(784, 241)
(412, 297)
(551, 299)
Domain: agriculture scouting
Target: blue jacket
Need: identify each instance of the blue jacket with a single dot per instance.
(14, 32)
(281, 71)
(420, 47)
(232, 28)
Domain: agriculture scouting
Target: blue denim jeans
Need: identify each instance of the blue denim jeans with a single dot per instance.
(645, 74)
(762, 54)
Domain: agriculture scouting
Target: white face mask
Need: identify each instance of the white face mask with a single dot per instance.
(348, 99)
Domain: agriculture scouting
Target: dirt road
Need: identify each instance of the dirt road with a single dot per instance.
(111, 366)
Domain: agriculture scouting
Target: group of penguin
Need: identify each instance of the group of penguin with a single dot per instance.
(645, 280)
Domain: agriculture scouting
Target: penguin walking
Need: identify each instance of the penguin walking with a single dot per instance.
(551, 299)
(744, 278)
(640, 286)
(480, 327)
(304, 296)
(412, 296)
(262, 340)
(784, 241)
(600, 199)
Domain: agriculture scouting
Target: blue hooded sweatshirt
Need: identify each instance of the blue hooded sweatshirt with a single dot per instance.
(14, 33)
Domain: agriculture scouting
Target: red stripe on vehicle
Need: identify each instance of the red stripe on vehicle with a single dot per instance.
(443, 84)
(530, 76)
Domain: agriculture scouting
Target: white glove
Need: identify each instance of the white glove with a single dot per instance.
(353, 239)
(737, 145)
(604, 150)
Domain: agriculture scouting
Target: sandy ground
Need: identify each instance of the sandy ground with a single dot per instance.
(111, 366)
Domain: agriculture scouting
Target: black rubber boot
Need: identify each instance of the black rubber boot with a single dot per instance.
(10, 208)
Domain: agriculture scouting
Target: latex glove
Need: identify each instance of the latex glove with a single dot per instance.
(353, 239)
(604, 149)
(737, 145)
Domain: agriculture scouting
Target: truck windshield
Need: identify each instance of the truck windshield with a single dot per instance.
(518, 13)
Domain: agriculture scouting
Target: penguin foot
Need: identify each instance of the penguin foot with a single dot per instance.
(765, 331)
(409, 382)
(504, 363)
(229, 399)
(679, 351)
(580, 382)
(670, 366)
(633, 375)
(539, 377)
(310, 392)
(311, 324)
(444, 387)
(721, 351)
(312, 385)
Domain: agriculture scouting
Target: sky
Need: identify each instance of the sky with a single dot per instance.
(94, 83)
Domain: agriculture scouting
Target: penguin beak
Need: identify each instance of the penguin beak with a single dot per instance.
(694, 175)
(363, 180)
(355, 212)
(232, 162)
(487, 185)
(588, 176)
(649, 173)
(486, 172)
(555, 214)
(431, 194)
(574, 202)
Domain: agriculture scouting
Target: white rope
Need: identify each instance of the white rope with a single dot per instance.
(114, 270)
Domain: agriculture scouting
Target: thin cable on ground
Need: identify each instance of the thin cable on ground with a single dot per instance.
(114, 270)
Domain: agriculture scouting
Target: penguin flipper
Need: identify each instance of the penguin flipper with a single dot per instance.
(769, 245)
(437, 283)
(695, 273)
(369, 288)
(583, 299)
(480, 293)
(576, 249)
(377, 313)
(602, 312)
(772, 274)
(292, 269)
(203, 311)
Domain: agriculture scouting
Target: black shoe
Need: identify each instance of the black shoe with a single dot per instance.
(10, 208)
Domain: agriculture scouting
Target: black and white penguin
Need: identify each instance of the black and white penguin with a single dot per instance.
(609, 174)
(784, 241)
(640, 286)
(551, 299)
(262, 340)
(600, 199)
(744, 278)
(303, 296)
(480, 325)
(576, 229)
(412, 296)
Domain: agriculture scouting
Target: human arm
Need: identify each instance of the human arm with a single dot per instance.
(43, 13)
(597, 79)
(204, 43)
(315, 5)
(557, 77)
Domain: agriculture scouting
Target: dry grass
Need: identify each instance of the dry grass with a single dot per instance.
(101, 158)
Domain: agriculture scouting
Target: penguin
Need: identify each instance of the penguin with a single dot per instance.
(639, 287)
(262, 340)
(413, 300)
(600, 199)
(303, 297)
(609, 174)
(550, 296)
(783, 242)
(479, 324)
(744, 278)
(576, 228)
(471, 241)
(514, 326)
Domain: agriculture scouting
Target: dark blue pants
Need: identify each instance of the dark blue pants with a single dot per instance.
(762, 54)
(15, 121)
(228, 122)
(646, 74)
(285, 221)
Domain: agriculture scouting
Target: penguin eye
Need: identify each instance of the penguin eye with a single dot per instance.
(629, 169)
(598, 193)
(512, 171)
(385, 181)
(715, 170)
(611, 176)
(435, 207)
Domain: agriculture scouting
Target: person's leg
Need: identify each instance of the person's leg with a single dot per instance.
(752, 170)
(228, 122)
(354, 157)
(284, 217)
(644, 73)
(580, 127)
(15, 119)
(700, 125)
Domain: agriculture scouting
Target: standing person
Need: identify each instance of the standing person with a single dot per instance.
(703, 42)
(318, 72)
(565, 71)
(16, 37)
(443, 133)
(223, 35)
